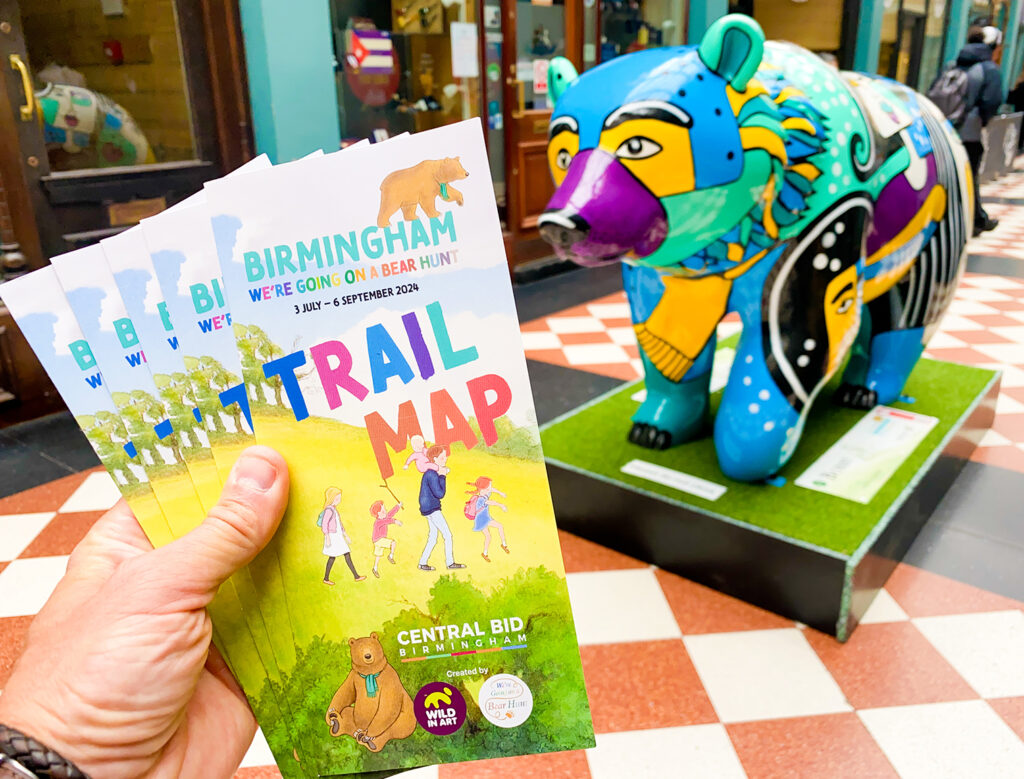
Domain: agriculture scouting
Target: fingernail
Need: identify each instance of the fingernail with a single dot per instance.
(254, 472)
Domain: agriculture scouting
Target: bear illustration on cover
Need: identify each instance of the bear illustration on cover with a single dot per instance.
(420, 185)
(371, 705)
(830, 210)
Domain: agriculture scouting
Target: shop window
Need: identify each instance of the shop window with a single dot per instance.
(109, 83)
(405, 66)
(640, 24)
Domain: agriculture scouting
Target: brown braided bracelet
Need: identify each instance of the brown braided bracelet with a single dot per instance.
(24, 757)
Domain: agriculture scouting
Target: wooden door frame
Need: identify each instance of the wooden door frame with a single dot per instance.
(509, 50)
(214, 70)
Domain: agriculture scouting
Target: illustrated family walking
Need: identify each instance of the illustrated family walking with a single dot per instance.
(432, 464)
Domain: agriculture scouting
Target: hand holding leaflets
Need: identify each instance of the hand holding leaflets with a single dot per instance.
(358, 329)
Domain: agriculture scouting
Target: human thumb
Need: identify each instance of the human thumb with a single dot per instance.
(236, 529)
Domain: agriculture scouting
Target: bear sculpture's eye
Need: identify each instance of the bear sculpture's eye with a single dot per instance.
(844, 306)
(563, 158)
(637, 148)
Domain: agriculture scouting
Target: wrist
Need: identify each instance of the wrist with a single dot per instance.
(24, 756)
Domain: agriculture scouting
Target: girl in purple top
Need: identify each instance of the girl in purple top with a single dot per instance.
(336, 540)
(483, 521)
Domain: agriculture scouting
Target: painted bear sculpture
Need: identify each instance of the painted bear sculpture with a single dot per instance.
(829, 209)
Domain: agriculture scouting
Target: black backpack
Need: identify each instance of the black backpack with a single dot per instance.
(951, 93)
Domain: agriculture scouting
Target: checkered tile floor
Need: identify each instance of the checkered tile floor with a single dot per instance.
(686, 681)
(984, 326)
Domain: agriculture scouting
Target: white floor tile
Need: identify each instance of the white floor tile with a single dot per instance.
(609, 310)
(1008, 354)
(986, 649)
(952, 323)
(259, 753)
(992, 438)
(946, 740)
(17, 531)
(1015, 333)
(982, 295)
(764, 674)
(693, 752)
(943, 340)
(542, 339)
(26, 584)
(991, 282)
(1012, 376)
(623, 336)
(616, 606)
(1008, 405)
(575, 324)
(970, 308)
(883, 608)
(596, 354)
(97, 493)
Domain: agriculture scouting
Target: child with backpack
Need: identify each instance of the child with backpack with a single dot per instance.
(477, 508)
(336, 540)
(381, 543)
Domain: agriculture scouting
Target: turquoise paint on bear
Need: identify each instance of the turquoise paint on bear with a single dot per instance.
(289, 57)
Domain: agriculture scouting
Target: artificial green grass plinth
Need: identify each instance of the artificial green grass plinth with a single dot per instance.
(810, 556)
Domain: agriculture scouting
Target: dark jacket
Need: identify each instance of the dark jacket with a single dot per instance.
(432, 489)
(986, 97)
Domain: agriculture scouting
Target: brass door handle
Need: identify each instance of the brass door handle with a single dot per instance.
(29, 109)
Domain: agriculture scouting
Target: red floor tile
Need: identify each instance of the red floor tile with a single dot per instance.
(624, 322)
(612, 671)
(834, 745)
(581, 555)
(1009, 457)
(12, 638)
(62, 534)
(558, 765)
(995, 320)
(1012, 712)
(259, 772)
(621, 370)
(961, 354)
(598, 337)
(979, 337)
(2, 566)
(924, 594)
(889, 664)
(45, 497)
(1010, 425)
(534, 326)
(699, 609)
(553, 356)
(1004, 305)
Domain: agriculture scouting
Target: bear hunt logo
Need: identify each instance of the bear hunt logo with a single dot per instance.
(409, 190)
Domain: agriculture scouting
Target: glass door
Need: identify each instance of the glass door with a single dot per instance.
(111, 118)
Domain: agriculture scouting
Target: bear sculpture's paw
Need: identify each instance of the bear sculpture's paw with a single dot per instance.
(854, 396)
(335, 723)
(649, 436)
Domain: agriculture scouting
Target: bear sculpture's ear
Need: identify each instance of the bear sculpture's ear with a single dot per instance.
(561, 73)
(732, 47)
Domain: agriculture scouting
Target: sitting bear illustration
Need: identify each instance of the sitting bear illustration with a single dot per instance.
(419, 186)
(371, 705)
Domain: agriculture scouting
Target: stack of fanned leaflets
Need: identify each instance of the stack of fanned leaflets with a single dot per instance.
(352, 310)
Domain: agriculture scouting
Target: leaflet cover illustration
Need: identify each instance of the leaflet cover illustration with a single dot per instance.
(374, 316)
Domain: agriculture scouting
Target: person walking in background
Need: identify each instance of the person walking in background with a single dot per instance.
(336, 540)
(982, 101)
(382, 544)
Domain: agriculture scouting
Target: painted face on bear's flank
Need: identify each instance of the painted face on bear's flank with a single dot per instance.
(367, 654)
